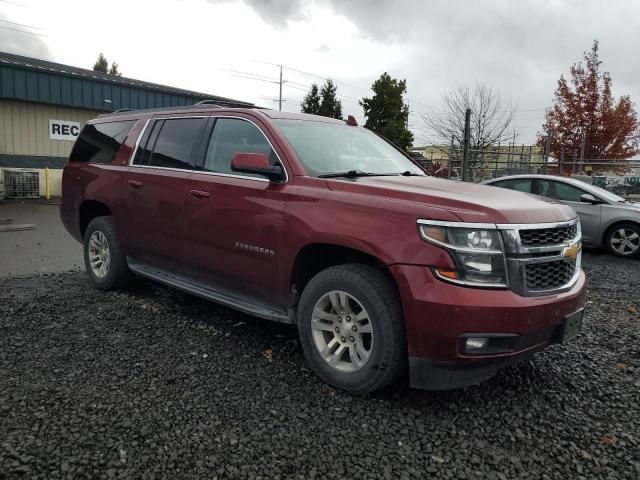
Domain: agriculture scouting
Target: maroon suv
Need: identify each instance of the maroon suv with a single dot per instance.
(323, 224)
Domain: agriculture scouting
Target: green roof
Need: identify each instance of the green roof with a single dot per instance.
(34, 80)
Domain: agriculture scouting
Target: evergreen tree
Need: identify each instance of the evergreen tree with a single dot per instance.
(311, 102)
(330, 105)
(386, 111)
(114, 70)
(101, 65)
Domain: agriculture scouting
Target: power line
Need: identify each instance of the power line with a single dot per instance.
(20, 24)
(23, 31)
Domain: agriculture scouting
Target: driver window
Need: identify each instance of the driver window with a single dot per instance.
(231, 136)
(562, 191)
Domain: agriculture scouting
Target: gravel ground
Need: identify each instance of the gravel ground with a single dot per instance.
(153, 383)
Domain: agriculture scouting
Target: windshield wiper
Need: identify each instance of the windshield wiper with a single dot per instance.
(348, 174)
(408, 173)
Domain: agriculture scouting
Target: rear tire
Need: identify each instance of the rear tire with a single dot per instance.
(104, 259)
(623, 240)
(351, 328)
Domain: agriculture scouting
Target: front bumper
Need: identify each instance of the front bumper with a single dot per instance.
(438, 315)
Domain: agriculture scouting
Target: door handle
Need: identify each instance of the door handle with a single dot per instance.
(134, 183)
(199, 193)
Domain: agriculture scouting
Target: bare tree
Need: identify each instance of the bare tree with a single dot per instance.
(490, 120)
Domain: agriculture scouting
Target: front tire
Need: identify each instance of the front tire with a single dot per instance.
(351, 328)
(104, 259)
(623, 240)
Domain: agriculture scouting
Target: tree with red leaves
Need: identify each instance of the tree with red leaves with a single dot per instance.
(587, 109)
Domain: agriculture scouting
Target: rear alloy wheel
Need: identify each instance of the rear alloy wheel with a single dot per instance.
(104, 259)
(351, 328)
(623, 240)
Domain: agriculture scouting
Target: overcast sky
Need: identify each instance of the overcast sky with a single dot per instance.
(519, 47)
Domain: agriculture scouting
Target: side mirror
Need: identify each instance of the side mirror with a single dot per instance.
(256, 163)
(588, 198)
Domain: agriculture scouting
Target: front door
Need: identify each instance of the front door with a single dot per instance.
(157, 184)
(589, 213)
(235, 221)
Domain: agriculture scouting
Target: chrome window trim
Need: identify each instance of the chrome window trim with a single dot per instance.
(286, 174)
(219, 174)
(135, 147)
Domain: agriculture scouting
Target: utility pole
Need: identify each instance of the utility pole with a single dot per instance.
(467, 139)
(582, 147)
(280, 95)
(450, 160)
(547, 147)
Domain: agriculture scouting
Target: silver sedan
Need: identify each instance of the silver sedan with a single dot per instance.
(607, 219)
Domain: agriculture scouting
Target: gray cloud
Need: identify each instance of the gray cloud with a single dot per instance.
(520, 47)
(12, 41)
(276, 12)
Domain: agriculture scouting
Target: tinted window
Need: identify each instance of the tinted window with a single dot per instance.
(231, 136)
(519, 184)
(175, 142)
(560, 190)
(99, 142)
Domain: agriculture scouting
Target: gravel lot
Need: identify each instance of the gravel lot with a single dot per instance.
(153, 383)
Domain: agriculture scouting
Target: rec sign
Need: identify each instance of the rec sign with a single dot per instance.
(63, 130)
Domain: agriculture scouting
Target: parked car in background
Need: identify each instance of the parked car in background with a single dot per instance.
(607, 219)
(321, 223)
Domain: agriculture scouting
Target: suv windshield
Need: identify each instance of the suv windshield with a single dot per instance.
(325, 148)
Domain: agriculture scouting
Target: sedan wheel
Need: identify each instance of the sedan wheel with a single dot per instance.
(624, 240)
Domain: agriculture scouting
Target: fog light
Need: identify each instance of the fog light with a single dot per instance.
(476, 343)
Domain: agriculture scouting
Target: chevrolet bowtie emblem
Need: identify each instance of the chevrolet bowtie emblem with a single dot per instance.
(571, 251)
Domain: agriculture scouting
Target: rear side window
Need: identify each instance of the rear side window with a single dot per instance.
(170, 143)
(99, 142)
(231, 136)
(518, 184)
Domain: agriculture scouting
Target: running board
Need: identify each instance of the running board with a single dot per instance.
(223, 297)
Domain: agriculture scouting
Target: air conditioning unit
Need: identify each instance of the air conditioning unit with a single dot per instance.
(21, 184)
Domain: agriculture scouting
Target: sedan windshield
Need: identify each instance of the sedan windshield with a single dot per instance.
(331, 148)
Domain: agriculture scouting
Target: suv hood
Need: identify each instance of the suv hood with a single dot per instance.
(469, 201)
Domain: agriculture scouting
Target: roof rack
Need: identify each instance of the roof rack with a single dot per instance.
(224, 103)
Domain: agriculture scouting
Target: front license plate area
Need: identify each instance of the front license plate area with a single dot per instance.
(571, 325)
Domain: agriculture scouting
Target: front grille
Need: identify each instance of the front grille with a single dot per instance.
(549, 275)
(548, 236)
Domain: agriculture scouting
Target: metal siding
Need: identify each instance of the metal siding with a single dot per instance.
(26, 128)
(87, 97)
(117, 98)
(32, 86)
(44, 88)
(55, 91)
(76, 92)
(20, 84)
(6, 82)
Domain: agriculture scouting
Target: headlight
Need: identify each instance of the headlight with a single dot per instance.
(476, 249)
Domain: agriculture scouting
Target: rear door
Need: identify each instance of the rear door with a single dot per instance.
(590, 214)
(234, 221)
(156, 185)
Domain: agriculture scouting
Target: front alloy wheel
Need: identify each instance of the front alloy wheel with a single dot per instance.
(342, 331)
(351, 327)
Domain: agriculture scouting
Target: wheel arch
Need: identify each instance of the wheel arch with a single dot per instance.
(90, 209)
(315, 257)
